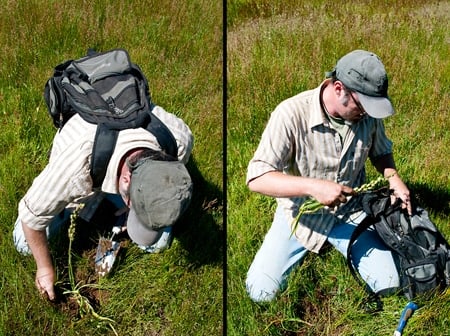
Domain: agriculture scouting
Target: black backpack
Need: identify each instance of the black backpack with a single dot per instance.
(108, 90)
(421, 251)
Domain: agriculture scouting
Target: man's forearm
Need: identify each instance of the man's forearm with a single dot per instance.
(37, 241)
(45, 274)
(277, 184)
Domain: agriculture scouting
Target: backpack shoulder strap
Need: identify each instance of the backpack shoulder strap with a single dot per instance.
(104, 145)
(106, 139)
(373, 206)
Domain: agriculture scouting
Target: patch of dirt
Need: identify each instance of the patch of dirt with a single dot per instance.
(85, 274)
(70, 306)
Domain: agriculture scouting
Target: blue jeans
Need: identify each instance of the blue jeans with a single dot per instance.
(281, 252)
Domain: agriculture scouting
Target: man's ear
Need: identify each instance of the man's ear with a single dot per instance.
(124, 180)
(126, 176)
(339, 88)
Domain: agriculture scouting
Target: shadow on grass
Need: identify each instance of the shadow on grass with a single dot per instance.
(199, 231)
(433, 198)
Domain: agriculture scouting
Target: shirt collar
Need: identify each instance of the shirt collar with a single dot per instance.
(317, 117)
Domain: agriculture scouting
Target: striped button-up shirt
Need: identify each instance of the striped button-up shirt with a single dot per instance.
(66, 178)
(299, 140)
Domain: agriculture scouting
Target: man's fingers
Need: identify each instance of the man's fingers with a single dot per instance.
(407, 206)
(45, 287)
(41, 289)
(393, 199)
(51, 294)
(406, 202)
(342, 198)
(48, 293)
(347, 191)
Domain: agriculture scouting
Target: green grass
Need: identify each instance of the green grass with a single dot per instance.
(279, 48)
(275, 49)
(178, 292)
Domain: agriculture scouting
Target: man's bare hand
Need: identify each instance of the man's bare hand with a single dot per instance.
(45, 279)
(400, 191)
(330, 193)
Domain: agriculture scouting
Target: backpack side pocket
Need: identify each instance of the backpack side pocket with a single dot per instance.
(421, 277)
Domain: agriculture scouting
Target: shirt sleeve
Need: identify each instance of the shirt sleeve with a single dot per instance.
(63, 180)
(381, 145)
(276, 146)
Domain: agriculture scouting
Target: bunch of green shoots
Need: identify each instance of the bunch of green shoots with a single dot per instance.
(311, 205)
(85, 307)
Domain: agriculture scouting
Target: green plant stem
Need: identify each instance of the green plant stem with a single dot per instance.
(83, 302)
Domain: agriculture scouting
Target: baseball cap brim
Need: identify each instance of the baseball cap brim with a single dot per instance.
(376, 107)
(139, 232)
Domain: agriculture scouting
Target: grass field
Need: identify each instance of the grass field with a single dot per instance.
(277, 49)
(179, 47)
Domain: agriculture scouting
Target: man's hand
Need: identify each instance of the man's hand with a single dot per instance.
(386, 166)
(400, 191)
(45, 274)
(330, 193)
(45, 279)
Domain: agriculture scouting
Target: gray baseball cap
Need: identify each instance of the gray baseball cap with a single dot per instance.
(363, 72)
(160, 193)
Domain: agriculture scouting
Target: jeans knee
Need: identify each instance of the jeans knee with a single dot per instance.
(387, 284)
(262, 289)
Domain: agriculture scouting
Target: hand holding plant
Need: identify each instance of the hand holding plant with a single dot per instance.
(311, 205)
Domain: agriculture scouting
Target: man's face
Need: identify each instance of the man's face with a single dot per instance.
(350, 109)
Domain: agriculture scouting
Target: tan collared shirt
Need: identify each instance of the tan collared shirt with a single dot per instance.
(299, 140)
(66, 178)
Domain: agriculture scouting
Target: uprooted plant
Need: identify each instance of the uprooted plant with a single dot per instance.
(85, 307)
(311, 205)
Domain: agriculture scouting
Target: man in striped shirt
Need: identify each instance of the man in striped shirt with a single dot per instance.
(66, 180)
(316, 145)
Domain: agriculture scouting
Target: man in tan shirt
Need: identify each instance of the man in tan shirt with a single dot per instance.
(156, 189)
(316, 145)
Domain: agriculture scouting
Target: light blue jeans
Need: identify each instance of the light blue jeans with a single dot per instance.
(281, 252)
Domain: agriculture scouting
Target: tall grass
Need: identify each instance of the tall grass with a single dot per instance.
(279, 48)
(178, 44)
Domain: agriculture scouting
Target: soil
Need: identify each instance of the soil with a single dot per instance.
(84, 273)
(84, 249)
